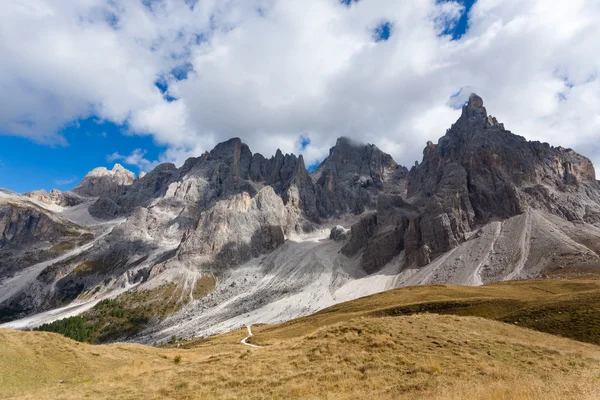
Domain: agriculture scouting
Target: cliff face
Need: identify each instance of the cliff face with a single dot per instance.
(30, 233)
(24, 222)
(55, 197)
(351, 177)
(101, 181)
(348, 181)
(479, 172)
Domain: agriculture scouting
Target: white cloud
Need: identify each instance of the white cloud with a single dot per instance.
(62, 182)
(299, 68)
(135, 158)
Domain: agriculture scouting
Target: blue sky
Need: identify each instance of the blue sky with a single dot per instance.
(26, 165)
(172, 78)
(460, 28)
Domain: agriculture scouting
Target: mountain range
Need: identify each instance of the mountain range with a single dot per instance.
(232, 238)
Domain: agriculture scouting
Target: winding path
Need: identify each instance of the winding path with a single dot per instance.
(248, 337)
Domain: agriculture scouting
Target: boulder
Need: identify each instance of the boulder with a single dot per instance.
(338, 233)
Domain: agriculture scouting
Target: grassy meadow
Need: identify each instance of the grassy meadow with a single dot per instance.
(514, 340)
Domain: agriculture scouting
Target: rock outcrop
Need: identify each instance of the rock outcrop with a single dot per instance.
(479, 172)
(360, 233)
(235, 230)
(55, 197)
(338, 233)
(21, 226)
(351, 177)
(30, 233)
(381, 235)
(102, 182)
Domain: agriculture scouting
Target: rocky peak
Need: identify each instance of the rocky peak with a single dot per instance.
(101, 181)
(475, 101)
(288, 177)
(233, 150)
(55, 197)
(347, 181)
(474, 113)
(352, 176)
(479, 171)
(118, 169)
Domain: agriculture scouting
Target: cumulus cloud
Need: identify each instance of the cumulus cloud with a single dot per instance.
(135, 158)
(275, 71)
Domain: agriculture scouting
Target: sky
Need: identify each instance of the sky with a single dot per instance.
(89, 83)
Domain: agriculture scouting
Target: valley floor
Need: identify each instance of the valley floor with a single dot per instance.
(439, 342)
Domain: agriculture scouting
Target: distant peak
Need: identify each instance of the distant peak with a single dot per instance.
(346, 141)
(475, 101)
(474, 113)
(99, 181)
(118, 168)
(225, 148)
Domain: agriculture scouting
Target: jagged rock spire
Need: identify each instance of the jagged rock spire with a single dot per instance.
(475, 101)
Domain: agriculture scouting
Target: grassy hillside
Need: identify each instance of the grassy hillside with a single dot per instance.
(565, 308)
(129, 313)
(376, 347)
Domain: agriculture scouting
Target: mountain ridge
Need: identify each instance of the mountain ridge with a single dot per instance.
(483, 205)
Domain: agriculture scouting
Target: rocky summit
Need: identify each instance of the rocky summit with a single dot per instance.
(233, 238)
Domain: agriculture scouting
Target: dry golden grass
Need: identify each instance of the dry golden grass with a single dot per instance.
(566, 308)
(345, 352)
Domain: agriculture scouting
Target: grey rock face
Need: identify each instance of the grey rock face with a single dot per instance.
(31, 234)
(349, 180)
(101, 181)
(338, 233)
(23, 222)
(382, 235)
(382, 247)
(480, 171)
(56, 197)
(140, 193)
(235, 230)
(361, 232)
(22, 226)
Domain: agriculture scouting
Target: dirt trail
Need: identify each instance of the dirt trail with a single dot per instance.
(248, 337)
